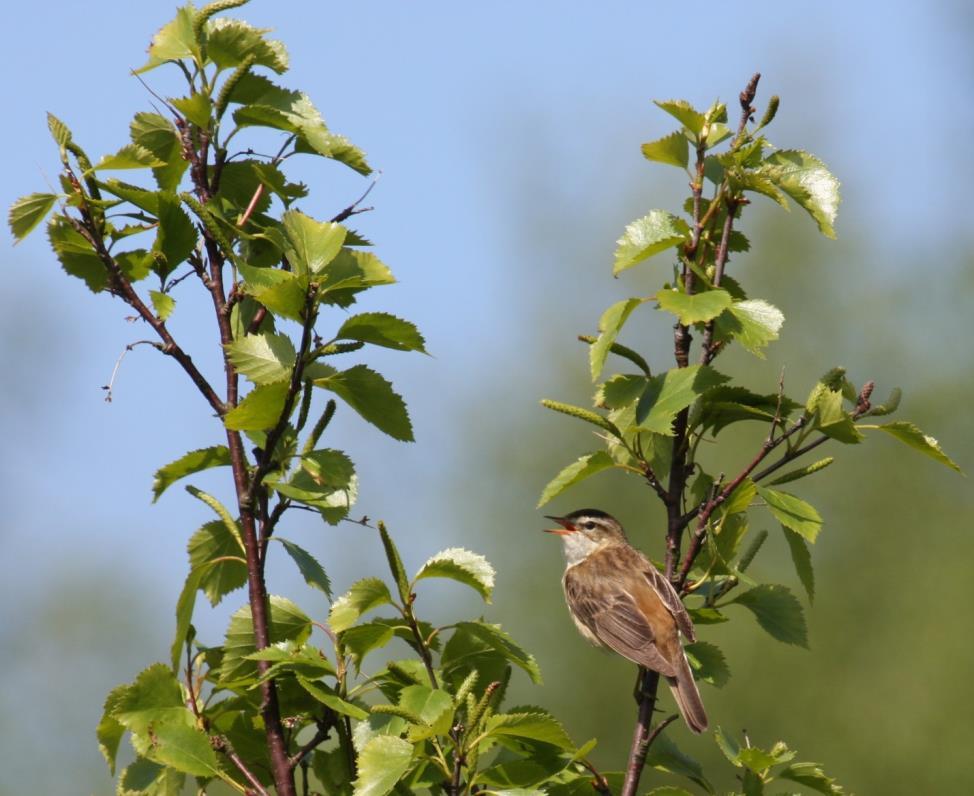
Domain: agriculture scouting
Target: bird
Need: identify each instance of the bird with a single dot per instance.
(619, 600)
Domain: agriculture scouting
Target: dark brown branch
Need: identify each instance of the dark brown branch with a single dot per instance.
(642, 736)
(324, 730)
(222, 745)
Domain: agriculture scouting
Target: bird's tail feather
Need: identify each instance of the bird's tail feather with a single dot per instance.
(688, 697)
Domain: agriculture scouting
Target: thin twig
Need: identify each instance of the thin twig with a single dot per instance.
(118, 363)
(324, 730)
(223, 745)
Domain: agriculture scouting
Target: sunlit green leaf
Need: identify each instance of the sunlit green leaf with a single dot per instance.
(708, 663)
(260, 409)
(777, 611)
(801, 557)
(287, 622)
(162, 303)
(130, 156)
(311, 245)
(110, 730)
(186, 749)
(27, 212)
(381, 763)
(909, 434)
(360, 640)
(649, 235)
(364, 595)
(192, 462)
(610, 325)
(806, 180)
(793, 512)
(327, 697)
(175, 40)
(577, 471)
(684, 112)
(220, 560)
(811, 776)
(382, 329)
(145, 777)
(753, 323)
(154, 698)
(282, 292)
(536, 726)
(263, 358)
(461, 565)
(373, 398)
(671, 149)
(695, 308)
(498, 640)
(230, 41)
(76, 255)
(311, 570)
(157, 134)
(667, 393)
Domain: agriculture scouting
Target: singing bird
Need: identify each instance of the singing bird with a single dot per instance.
(618, 599)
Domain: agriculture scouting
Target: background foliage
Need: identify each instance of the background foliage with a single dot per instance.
(890, 293)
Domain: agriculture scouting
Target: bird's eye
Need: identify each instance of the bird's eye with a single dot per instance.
(589, 526)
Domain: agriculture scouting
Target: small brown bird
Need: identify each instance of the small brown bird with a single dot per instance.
(618, 599)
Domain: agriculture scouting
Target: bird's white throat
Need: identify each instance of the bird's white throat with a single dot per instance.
(577, 547)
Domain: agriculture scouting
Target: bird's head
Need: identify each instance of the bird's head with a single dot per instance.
(585, 531)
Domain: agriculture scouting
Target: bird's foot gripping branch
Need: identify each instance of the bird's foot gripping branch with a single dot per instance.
(652, 421)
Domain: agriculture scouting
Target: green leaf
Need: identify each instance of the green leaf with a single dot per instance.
(145, 777)
(758, 760)
(669, 790)
(726, 405)
(668, 393)
(831, 418)
(708, 663)
(364, 595)
(185, 606)
(582, 414)
(230, 41)
(909, 434)
(382, 329)
(311, 570)
(192, 462)
(162, 303)
(802, 559)
(176, 235)
(753, 323)
(155, 698)
(221, 511)
(75, 254)
(620, 350)
(649, 235)
(801, 472)
(157, 134)
(219, 559)
(706, 616)
(59, 131)
(360, 640)
(433, 706)
(664, 755)
(311, 245)
(299, 659)
(110, 730)
(174, 41)
(186, 749)
(535, 726)
(381, 764)
(777, 611)
(792, 512)
(130, 156)
(811, 776)
(728, 746)
(373, 398)
(463, 566)
(329, 468)
(671, 149)
(287, 622)
(684, 112)
(741, 498)
(579, 470)
(27, 212)
(263, 358)
(259, 410)
(696, 308)
(806, 180)
(494, 637)
(327, 697)
(610, 325)
(282, 292)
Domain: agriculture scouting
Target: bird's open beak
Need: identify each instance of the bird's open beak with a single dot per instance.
(565, 529)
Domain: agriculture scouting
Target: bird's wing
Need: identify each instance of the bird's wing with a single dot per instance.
(664, 589)
(614, 618)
